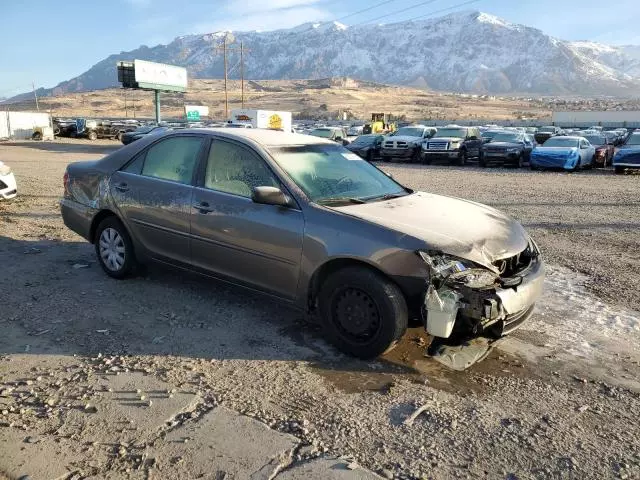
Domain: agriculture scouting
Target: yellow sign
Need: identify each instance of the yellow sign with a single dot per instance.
(275, 122)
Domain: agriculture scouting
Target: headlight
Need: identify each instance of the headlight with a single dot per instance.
(512, 150)
(452, 270)
(455, 145)
(4, 169)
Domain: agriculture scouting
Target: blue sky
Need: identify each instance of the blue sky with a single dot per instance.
(47, 43)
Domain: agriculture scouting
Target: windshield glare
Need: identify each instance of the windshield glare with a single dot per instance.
(451, 132)
(321, 132)
(365, 139)
(634, 139)
(508, 138)
(409, 132)
(561, 142)
(596, 140)
(326, 172)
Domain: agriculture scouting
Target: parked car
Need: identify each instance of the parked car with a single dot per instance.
(488, 135)
(336, 134)
(604, 149)
(453, 144)
(405, 143)
(64, 127)
(628, 155)
(570, 153)
(367, 146)
(507, 148)
(545, 133)
(140, 132)
(8, 187)
(299, 218)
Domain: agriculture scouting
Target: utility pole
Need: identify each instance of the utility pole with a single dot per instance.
(226, 95)
(35, 94)
(126, 112)
(242, 71)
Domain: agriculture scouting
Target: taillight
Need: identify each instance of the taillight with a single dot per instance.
(65, 181)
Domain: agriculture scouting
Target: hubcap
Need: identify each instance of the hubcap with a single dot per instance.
(356, 315)
(112, 249)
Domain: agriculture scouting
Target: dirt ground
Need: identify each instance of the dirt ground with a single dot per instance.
(332, 95)
(560, 398)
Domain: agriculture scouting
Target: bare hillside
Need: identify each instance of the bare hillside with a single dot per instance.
(307, 98)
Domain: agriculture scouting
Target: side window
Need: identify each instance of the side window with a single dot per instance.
(135, 166)
(173, 159)
(235, 169)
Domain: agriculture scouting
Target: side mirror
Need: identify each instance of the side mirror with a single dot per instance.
(269, 196)
(473, 137)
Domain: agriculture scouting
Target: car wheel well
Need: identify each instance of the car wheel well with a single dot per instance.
(100, 216)
(332, 266)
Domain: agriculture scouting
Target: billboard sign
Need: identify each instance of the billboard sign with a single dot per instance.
(152, 76)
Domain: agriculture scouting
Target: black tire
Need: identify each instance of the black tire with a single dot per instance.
(36, 136)
(92, 136)
(482, 161)
(518, 162)
(377, 304)
(533, 167)
(415, 158)
(618, 170)
(386, 159)
(462, 158)
(118, 136)
(130, 263)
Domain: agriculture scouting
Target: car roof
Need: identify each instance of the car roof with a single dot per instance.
(265, 137)
(571, 137)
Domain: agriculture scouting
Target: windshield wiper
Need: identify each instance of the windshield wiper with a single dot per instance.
(386, 196)
(334, 200)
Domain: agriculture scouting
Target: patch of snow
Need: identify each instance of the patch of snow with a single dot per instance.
(492, 19)
(569, 313)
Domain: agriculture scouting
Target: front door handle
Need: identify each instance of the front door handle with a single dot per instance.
(203, 207)
(121, 187)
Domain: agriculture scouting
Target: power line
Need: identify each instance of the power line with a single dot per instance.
(364, 10)
(444, 10)
(396, 13)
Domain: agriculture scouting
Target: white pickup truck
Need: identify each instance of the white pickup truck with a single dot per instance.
(405, 143)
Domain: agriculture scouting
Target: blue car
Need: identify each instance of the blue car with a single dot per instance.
(570, 153)
(629, 154)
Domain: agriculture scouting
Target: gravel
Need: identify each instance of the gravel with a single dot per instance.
(552, 401)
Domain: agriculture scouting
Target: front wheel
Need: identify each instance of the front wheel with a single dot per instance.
(364, 314)
(114, 249)
(462, 159)
(618, 170)
(518, 162)
(92, 136)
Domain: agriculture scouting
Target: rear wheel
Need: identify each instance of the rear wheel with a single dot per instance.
(364, 314)
(483, 161)
(36, 136)
(518, 162)
(92, 136)
(114, 249)
(618, 170)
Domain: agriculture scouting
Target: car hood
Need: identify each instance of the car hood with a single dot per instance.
(446, 139)
(554, 151)
(358, 146)
(402, 138)
(454, 226)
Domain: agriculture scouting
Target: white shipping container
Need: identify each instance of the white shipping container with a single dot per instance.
(20, 125)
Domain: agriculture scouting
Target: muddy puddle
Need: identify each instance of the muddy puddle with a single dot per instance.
(407, 361)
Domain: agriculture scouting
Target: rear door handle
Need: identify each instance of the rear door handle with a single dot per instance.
(121, 187)
(203, 207)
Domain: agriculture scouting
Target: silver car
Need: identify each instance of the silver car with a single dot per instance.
(309, 222)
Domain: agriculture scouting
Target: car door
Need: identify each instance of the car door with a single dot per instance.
(585, 153)
(154, 194)
(233, 237)
(474, 142)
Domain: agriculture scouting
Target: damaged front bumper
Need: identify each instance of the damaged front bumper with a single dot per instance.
(454, 308)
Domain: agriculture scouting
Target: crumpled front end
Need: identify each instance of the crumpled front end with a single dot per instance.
(627, 158)
(467, 301)
(8, 187)
(555, 158)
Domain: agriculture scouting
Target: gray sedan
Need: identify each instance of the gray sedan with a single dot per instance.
(309, 222)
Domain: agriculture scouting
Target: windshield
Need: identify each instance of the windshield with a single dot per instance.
(561, 142)
(330, 172)
(321, 132)
(450, 132)
(596, 139)
(508, 138)
(365, 140)
(547, 130)
(634, 139)
(409, 132)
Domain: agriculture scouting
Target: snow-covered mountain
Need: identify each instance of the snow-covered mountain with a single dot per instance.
(463, 52)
